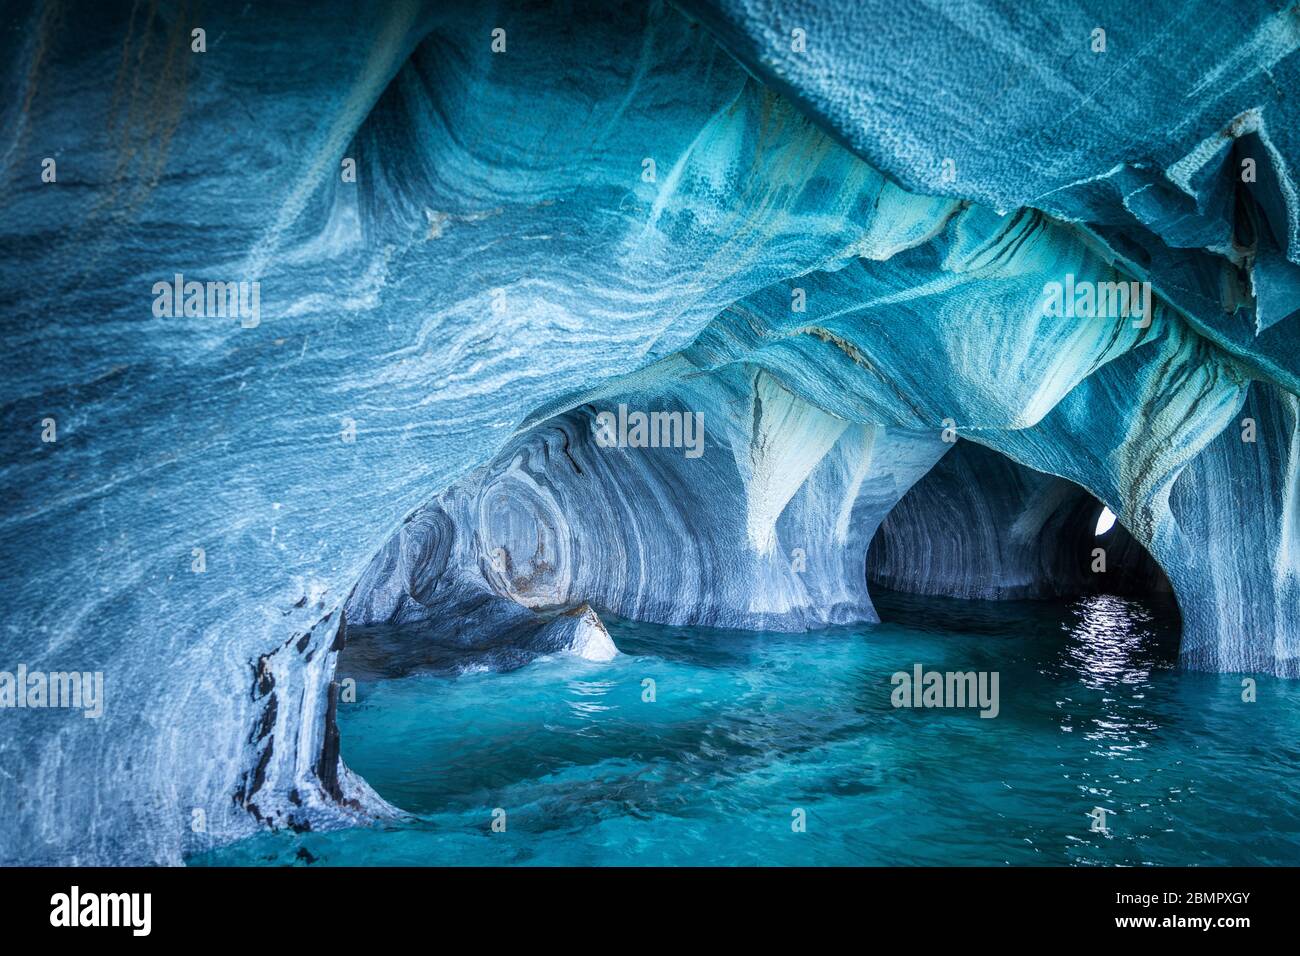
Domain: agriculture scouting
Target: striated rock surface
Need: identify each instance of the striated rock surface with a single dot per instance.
(654, 534)
(628, 205)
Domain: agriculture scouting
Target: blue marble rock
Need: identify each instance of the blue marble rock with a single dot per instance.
(465, 255)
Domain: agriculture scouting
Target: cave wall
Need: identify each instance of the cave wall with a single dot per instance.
(765, 529)
(503, 258)
(1233, 523)
(499, 215)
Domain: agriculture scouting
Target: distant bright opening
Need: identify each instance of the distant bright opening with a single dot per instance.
(1105, 521)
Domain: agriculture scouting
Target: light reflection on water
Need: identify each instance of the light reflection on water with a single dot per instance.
(1108, 640)
(746, 727)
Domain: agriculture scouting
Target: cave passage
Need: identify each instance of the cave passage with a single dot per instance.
(983, 565)
(980, 526)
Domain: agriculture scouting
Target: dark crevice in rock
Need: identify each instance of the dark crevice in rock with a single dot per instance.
(981, 526)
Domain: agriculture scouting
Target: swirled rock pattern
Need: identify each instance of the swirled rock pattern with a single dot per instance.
(470, 243)
(723, 539)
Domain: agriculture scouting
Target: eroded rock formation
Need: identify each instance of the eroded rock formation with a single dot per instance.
(839, 257)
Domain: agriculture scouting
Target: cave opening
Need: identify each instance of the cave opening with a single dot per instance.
(980, 527)
(458, 631)
(1105, 521)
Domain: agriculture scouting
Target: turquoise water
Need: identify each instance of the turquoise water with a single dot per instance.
(747, 728)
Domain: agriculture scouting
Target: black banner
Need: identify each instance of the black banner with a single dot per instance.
(327, 906)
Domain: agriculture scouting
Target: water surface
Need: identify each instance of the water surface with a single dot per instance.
(747, 728)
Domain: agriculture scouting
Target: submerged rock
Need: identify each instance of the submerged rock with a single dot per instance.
(578, 632)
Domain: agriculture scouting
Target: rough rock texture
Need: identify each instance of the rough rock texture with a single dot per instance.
(1138, 137)
(793, 261)
(1233, 546)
